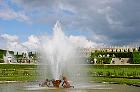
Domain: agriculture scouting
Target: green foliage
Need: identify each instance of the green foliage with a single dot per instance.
(1, 60)
(103, 59)
(2, 53)
(100, 60)
(99, 73)
(136, 57)
(117, 54)
(107, 60)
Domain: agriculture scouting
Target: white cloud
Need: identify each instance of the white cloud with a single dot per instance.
(7, 13)
(82, 41)
(32, 43)
(9, 38)
(16, 46)
(114, 19)
(11, 42)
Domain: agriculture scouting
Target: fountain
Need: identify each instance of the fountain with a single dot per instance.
(59, 57)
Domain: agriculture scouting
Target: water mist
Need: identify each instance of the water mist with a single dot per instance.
(59, 56)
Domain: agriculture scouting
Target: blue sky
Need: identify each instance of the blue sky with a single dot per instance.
(23, 30)
(17, 25)
(110, 22)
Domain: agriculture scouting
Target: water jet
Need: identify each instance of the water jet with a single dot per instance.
(59, 57)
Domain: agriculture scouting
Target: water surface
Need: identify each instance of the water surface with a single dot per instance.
(80, 87)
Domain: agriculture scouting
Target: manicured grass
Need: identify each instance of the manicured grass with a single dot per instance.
(118, 71)
(18, 72)
(116, 80)
(17, 66)
(18, 78)
(123, 74)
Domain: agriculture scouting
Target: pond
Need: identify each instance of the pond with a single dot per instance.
(79, 87)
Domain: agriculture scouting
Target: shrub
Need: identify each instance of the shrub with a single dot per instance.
(136, 58)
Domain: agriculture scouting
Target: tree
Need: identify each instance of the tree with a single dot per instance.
(136, 57)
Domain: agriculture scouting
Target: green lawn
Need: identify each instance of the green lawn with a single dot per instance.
(124, 74)
(18, 72)
(18, 78)
(126, 71)
(116, 80)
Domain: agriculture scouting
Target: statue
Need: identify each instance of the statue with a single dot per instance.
(56, 83)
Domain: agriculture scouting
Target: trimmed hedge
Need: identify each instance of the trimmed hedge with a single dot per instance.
(117, 54)
(106, 66)
(136, 57)
(103, 60)
(17, 66)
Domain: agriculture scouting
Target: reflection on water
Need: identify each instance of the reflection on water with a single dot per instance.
(81, 87)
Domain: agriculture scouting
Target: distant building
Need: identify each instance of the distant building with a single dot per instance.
(17, 57)
(124, 55)
(87, 51)
(28, 57)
